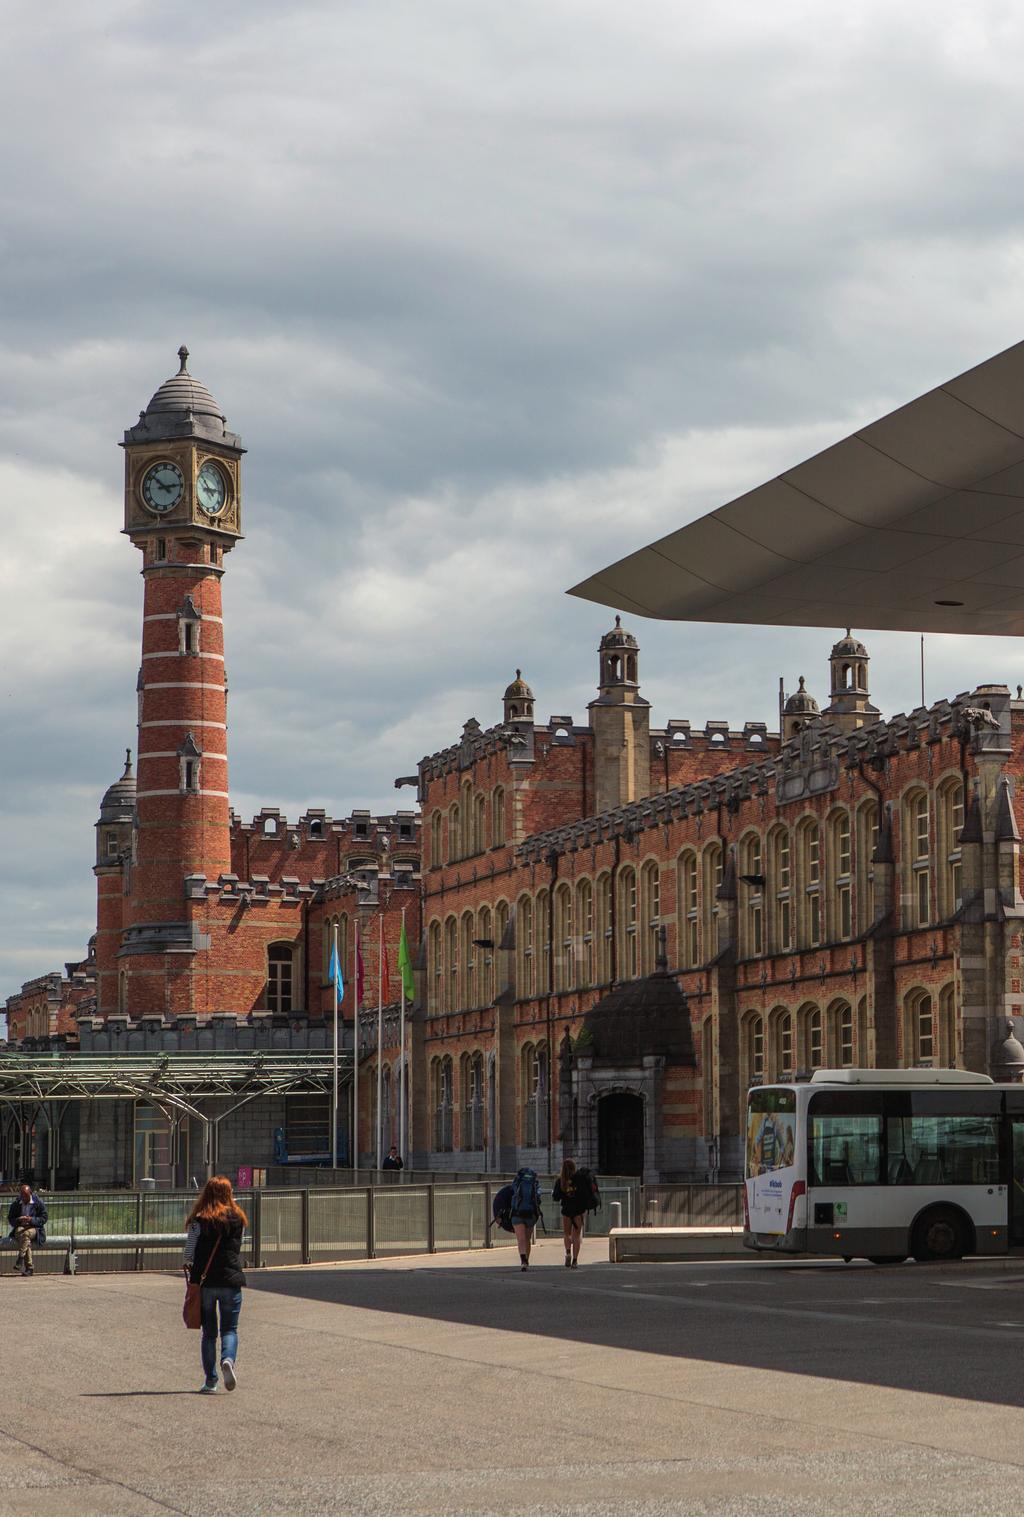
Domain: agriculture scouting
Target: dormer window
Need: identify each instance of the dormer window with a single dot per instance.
(189, 756)
(188, 626)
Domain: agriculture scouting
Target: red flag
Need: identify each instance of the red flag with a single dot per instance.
(360, 975)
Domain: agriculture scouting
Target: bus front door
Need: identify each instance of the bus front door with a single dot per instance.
(1016, 1186)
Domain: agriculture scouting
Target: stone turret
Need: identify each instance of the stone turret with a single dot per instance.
(621, 721)
(849, 704)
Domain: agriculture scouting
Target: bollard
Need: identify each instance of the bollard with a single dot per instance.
(615, 1207)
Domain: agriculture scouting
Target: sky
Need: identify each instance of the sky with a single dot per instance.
(494, 294)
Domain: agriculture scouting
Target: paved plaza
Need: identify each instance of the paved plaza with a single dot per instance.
(457, 1384)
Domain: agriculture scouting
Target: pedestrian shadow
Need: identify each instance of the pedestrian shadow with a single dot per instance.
(112, 1395)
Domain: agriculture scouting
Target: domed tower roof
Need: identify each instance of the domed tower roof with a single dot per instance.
(182, 407)
(118, 804)
(849, 647)
(519, 690)
(618, 637)
(801, 702)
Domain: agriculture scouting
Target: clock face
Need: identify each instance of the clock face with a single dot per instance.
(162, 487)
(211, 491)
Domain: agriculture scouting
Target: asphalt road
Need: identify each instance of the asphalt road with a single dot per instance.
(459, 1385)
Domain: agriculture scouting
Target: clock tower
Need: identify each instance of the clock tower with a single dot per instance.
(183, 512)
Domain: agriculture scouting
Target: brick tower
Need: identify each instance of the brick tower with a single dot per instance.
(182, 511)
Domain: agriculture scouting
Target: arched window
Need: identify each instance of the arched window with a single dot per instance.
(752, 896)
(707, 1072)
(688, 906)
(485, 974)
(443, 1104)
(466, 807)
(712, 885)
(782, 1066)
(951, 824)
(451, 965)
(585, 931)
(564, 945)
(867, 842)
(781, 880)
(542, 931)
(525, 965)
(603, 929)
(435, 968)
(753, 1049)
(917, 856)
(840, 854)
(535, 1088)
(503, 963)
(920, 1041)
(650, 904)
(810, 870)
(468, 954)
(498, 817)
(842, 1034)
(473, 1101)
(454, 833)
(629, 957)
(280, 967)
(435, 841)
(479, 824)
(814, 1036)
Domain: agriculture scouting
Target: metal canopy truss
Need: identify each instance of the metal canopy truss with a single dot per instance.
(174, 1083)
(914, 523)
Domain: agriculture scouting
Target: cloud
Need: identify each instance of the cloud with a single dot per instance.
(493, 296)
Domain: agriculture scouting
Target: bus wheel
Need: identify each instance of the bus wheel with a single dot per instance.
(939, 1234)
(886, 1258)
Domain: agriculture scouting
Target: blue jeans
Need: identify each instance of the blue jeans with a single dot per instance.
(228, 1298)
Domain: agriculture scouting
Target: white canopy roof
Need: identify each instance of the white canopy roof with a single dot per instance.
(915, 523)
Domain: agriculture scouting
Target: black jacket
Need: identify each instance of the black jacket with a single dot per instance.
(226, 1268)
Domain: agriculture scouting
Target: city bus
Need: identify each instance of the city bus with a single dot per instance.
(883, 1164)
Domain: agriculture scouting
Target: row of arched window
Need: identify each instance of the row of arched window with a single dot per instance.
(785, 1042)
(461, 1099)
(799, 886)
(472, 824)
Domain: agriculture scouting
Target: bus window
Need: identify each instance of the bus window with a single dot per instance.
(845, 1146)
(943, 1150)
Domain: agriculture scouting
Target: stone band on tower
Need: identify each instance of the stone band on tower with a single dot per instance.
(182, 511)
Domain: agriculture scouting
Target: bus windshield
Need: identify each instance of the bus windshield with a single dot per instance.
(771, 1131)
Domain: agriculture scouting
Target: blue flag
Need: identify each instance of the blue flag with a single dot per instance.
(334, 972)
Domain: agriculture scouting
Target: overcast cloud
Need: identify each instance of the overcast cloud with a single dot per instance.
(494, 294)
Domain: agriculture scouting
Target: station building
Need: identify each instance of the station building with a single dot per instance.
(617, 926)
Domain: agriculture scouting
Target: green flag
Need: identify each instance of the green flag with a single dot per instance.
(405, 966)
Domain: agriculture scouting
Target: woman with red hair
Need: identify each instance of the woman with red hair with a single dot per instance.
(213, 1257)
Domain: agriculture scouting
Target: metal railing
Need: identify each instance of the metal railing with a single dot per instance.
(104, 1232)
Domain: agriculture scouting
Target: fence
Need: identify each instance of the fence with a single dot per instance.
(691, 1206)
(317, 1224)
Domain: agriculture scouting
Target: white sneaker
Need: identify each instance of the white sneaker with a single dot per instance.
(208, 1390)
(227, 1369)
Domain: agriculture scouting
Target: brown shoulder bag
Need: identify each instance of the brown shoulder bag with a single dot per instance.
(192, 1311)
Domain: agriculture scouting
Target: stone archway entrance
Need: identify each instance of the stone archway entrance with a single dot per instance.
(620, 1133)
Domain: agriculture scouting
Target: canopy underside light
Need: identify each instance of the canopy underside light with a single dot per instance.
(913, 524)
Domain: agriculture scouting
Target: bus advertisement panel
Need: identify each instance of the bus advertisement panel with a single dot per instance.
(771, 1159)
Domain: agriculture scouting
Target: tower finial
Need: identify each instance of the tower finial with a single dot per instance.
(849, 631)
(127, 764)
(183, 356)
(618, 620)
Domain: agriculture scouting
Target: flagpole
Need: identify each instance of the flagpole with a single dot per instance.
(380, 1031)
(334, 1081)
(401, 1052)
(355, 1052)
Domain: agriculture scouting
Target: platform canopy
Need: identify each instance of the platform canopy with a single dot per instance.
(172, 1078)
(912, 524)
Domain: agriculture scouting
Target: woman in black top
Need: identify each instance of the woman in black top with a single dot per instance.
(573, 1209)
(213, 1255)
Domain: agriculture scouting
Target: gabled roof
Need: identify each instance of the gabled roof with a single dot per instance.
(914, 523)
